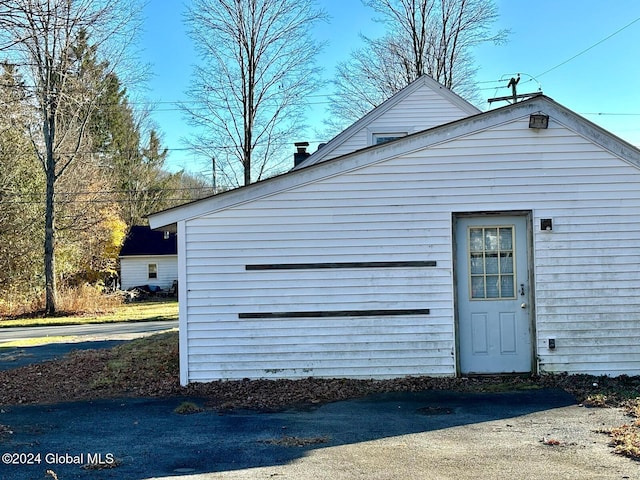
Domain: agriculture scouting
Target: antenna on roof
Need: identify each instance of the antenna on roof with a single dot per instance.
(514, 97)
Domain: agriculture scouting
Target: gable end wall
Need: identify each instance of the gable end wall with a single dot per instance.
(586, 282)
(421, 110)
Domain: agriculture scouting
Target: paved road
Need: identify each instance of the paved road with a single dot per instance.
(95, 331)
(84, 337)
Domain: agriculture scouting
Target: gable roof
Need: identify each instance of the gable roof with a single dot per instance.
(141, 240)
(458, 107)
(400, 146)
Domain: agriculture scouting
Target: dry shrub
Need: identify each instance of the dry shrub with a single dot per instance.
(79, 301)
(632, 406)
(16, 302)
(87, 300)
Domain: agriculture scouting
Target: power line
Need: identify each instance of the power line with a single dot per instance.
(66, 202)
(168, 149)
(564, 62)
(589, 48)
(612, 114)
(110, 192)
(31, 198)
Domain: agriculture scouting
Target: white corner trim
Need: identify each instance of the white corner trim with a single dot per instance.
(183, 324)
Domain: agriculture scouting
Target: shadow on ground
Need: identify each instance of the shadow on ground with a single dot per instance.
(14, 357)
(149, 440)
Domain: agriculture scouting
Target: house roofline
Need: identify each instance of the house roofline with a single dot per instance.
(404, 145)
(381, 109)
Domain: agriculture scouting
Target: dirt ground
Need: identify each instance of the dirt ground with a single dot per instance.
(148, 367)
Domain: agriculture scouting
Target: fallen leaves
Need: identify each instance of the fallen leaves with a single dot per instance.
(552, 442)
(289, 441)
(148, 367)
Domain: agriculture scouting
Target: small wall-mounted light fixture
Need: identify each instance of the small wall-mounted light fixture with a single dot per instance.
(538, 120)
(546, 224)
(552, 343)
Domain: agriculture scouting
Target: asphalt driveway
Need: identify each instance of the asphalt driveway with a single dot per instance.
(426, 435)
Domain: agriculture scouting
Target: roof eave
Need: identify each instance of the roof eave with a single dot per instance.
(378, 111)
(410, 143)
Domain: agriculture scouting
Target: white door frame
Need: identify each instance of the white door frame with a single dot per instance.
(528, 216)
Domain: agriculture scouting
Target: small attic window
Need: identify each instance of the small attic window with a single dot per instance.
(380, 138)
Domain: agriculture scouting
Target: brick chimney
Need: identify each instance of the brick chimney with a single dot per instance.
(301, 154)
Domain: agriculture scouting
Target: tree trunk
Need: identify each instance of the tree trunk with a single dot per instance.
(49, 221)
(49, 252)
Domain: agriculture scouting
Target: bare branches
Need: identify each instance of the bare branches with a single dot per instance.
(432, 37)
(258, 67)
(52, 39)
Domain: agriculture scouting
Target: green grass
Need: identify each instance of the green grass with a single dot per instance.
(130, 312)
(144, 361)
(36, 342)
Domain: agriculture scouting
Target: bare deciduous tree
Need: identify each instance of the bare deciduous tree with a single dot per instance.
(42, 38)
(433, 37)
(249, 94)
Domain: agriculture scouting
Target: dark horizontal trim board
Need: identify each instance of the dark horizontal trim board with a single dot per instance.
(337, 313)
(315, 266)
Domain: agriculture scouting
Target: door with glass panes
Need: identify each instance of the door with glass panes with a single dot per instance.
(494, 328)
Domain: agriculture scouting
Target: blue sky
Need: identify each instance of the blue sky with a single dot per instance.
(602, 84)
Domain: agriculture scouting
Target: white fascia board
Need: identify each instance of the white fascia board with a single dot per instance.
(451, 96)
(296, 178)
(405, 145)
(593, 132)
(380, 110)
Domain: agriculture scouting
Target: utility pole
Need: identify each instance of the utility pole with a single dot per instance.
(515, 96)
(513, 83)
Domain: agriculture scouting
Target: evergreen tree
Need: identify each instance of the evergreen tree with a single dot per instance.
(42, 36)
(21, 186)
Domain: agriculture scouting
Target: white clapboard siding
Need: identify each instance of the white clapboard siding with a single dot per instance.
(134, 271)
(422, 105)
(585, 269)
(400, 209)
(424, 109)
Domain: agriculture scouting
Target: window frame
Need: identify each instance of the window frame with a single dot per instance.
(391, 132)
(152, 271)
(493, 252)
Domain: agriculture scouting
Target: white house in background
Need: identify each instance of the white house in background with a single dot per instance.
(497, 242)
(148, 257)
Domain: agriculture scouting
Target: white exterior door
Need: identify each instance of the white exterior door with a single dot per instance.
(494, 328)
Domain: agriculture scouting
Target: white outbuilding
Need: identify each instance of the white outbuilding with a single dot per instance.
(148, 259)
(426, 239)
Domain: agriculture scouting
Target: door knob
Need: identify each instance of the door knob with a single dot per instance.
(523, 305)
